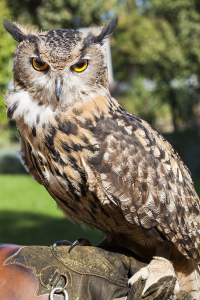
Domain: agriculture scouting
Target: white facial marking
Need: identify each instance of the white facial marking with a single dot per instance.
(28, 109)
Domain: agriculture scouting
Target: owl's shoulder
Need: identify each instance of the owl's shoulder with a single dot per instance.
(137, 138)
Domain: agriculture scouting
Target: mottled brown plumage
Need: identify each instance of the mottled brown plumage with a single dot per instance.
(105, 167)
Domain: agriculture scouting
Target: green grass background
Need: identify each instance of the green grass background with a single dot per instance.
(29, 216)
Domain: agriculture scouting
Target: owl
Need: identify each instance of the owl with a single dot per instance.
(104, 166)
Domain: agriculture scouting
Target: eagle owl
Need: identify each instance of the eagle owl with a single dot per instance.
(104, 167)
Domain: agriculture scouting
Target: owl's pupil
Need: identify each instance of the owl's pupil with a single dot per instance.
(80, 65)
(39, 63)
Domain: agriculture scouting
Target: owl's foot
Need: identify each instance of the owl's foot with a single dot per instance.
(159, 267)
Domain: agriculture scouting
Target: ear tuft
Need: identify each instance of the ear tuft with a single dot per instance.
(12, 28)
(106, 31)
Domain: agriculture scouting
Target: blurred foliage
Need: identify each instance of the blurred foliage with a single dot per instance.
(159, 40)
(187, 144)
(53, 14)
(143, 102)
(10, 164)
(7, 49)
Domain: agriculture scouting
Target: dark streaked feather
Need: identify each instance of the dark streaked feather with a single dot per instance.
(106, 31)
(16, 33)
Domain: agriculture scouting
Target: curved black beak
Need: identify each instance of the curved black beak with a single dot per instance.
(58, 87)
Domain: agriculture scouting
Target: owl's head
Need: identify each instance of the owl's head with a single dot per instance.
(59, 67)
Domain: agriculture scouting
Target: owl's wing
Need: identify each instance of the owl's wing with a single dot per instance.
(138, 170)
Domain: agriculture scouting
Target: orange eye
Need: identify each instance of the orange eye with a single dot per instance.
(80, 66)
(39, 65)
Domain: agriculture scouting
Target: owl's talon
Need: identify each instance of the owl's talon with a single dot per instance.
(80, 242)
(61, 243)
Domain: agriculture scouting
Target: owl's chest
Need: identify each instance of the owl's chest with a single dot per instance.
(53, 152)
(63, 176)
(64, 179)
(53, 158)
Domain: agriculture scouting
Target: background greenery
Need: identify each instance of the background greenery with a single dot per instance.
(28, 215)
(156, 62)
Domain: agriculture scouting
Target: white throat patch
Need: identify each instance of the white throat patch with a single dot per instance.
(24, 107)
